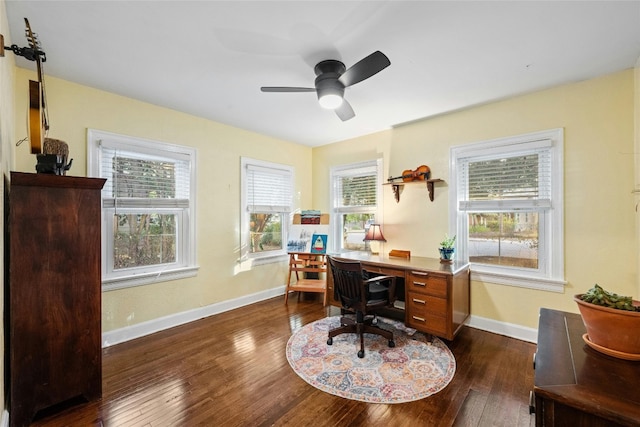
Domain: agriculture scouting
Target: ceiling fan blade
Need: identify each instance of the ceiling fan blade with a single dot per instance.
(365, 68)
(286, 89)
(344, 111)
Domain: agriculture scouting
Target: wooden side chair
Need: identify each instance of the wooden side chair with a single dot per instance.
(364, 297)
(307, 264)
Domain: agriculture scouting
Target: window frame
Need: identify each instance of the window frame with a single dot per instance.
(336, 225)
(245, 213)
(185, 264)
(550, 273)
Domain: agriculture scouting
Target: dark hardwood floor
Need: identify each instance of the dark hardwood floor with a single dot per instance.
(231, 370)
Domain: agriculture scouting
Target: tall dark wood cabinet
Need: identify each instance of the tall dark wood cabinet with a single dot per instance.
(54, 294)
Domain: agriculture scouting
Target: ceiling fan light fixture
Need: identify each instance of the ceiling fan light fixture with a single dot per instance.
(332, 77)
(330, 92)
(330, 101)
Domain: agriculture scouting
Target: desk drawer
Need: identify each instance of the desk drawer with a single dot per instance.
(383, 271)
(429, 323)
(426, 305)
(427, 283)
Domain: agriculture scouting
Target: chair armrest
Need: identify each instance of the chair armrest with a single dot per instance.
(392, 285)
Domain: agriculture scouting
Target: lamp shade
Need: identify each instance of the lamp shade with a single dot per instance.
(375, 233)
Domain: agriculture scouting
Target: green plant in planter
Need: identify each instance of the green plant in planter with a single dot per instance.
(446, 248)
(448, 242)
(597, 295)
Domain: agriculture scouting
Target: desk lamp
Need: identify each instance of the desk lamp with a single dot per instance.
(374, 236)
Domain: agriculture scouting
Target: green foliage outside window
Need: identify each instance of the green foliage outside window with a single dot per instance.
(144, 239)
(266, 232)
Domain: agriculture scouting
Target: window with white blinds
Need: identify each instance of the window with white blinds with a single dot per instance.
(269, 189)
(507, 209)
(267, 201)
(148, 208)
(355, 203)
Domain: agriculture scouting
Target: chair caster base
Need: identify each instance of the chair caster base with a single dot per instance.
(361, 354)
(330, 341)
(392, 343)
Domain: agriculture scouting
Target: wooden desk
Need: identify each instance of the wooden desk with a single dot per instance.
(436, 296)
(576, 385)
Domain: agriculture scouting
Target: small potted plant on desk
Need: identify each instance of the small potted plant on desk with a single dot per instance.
(447, 249)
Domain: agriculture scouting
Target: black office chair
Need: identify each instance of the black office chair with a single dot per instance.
(364, 297)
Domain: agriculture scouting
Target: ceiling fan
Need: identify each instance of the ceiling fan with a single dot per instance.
(332, 79)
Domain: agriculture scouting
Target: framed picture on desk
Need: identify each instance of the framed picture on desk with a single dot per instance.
(319, 244)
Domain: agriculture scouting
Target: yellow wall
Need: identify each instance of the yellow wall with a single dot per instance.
(600, 243)
(74, 108)
(7, 67)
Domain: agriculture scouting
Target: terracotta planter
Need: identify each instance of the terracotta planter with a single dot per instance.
(611, 329)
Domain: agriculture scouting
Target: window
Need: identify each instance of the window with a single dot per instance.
(267, 195)
(355, 195)
(506, 197)
(148, 209)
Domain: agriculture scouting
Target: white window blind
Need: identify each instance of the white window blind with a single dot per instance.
(134, 179)
(516, 181)
(356, 187)
(268, 189)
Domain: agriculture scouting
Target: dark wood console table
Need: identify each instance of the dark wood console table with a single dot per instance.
(436, 296)
(576, 385)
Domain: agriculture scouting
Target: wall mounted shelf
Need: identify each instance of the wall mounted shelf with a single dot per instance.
(397, 187)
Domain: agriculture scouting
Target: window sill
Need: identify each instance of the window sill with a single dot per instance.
(148, 278)
(268, 259)
(530, 282)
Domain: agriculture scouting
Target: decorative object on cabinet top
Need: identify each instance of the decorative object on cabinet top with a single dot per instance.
(612, 322)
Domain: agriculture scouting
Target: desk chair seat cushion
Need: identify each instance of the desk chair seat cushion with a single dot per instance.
(377, 292)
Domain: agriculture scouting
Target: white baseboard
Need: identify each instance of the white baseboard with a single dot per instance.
(502, 328)
(127, 333)
(5, 419)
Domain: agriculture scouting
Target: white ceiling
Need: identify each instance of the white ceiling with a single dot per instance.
(210, 58)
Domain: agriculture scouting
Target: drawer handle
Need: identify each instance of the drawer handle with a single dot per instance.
(423, 284)
(419, 301)
(418, 318)
(420, 273)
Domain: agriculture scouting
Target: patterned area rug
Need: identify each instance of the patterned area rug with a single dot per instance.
(412, 370)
